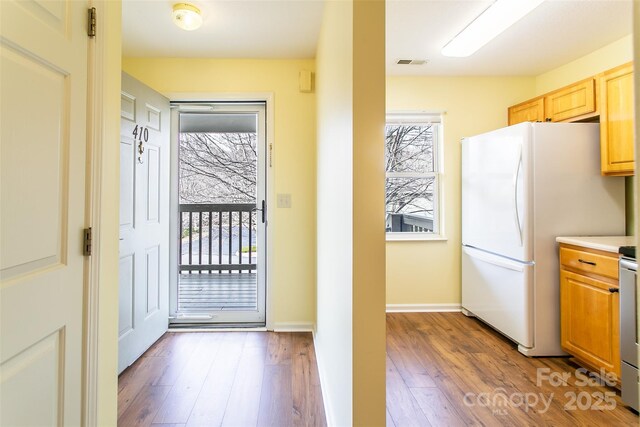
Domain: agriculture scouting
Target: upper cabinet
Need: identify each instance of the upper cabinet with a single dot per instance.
(571, 102)
(616, 121)
(530, 111)
(608, 95)
(574, 102)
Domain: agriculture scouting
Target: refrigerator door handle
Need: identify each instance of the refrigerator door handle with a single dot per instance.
(495, 259)
(516, 175)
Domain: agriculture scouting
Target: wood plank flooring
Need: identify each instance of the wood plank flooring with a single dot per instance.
(223, 379)
(444, 369)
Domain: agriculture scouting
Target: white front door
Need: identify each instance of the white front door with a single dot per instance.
(144, 219)
(43, 63)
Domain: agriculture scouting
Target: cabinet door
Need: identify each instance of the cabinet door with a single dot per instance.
(530, 111)
(589, 320)
(616, 121)
(572, 101)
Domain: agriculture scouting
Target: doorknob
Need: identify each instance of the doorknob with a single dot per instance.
(263, 209)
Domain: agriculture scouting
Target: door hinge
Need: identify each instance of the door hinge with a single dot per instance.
(86, 244)
(91, 27)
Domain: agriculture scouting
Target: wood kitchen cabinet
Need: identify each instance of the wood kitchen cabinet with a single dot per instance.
(608, 95)
(530, 111)
(574, 102)
(571, 102)
(589, 307)
(616, 121)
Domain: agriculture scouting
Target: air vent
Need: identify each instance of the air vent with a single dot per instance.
(411, 62)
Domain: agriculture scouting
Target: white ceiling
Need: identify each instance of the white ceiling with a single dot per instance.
(231, 29)
(555, 33)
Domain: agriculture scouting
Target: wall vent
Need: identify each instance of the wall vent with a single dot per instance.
(411, 62)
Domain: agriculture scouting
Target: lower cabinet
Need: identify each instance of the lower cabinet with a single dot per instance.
(590, 310)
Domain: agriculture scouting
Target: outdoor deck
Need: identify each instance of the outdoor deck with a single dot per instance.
(206, 292)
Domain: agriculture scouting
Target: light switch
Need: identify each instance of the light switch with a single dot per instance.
(284, 201)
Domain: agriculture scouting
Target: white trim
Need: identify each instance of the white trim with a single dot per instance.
(415, 237)
(93, 214)
(219, 96)
(328, 410)
(415, 117)
(441, 178)
(294, 327)
(174, 222)
(423, 308)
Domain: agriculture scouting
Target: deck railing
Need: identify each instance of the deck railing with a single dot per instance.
(210, 228)
(408, 223)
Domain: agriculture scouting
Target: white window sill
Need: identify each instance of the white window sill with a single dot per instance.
(413, 237)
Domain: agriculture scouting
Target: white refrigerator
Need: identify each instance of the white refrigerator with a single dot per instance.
(521, 187)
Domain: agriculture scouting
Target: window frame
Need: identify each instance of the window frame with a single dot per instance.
(421, 119)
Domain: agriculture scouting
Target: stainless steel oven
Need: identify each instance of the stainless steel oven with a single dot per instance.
(629, 332)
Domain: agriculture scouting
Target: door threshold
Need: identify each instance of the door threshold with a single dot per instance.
(208, 327)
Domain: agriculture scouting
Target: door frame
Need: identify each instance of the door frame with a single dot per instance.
(99, 389)
(100, 384)
(211, 97)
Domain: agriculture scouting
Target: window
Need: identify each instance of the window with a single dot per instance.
(412, 156)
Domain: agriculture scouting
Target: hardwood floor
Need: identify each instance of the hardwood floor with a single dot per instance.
(223, 379)
(444, 369)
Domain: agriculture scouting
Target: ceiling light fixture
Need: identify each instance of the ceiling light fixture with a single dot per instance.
(187, 16)
(494, 20)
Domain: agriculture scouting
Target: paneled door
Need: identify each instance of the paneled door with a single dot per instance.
(144, 219)
(43, 63)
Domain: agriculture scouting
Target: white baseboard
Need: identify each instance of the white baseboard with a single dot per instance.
(423, 308)
(328, 412)
(294, 327)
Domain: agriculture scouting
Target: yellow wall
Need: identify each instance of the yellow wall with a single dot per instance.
(350, 337)
(428, 272)
(333, 340)
(636, 57)
(369, 321)
(292, 231)
(605, 58)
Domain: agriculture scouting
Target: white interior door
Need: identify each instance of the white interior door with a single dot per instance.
(144, 219)
(43, 62)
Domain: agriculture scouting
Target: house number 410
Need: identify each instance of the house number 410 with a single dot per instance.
(140, 134)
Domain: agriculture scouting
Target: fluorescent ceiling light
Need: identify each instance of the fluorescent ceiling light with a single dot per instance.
(498, 17)
(187, 16)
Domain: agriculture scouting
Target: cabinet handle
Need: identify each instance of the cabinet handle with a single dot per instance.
(614, 290)
(587, 262)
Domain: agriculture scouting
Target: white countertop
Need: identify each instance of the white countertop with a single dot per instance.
(602, 243)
